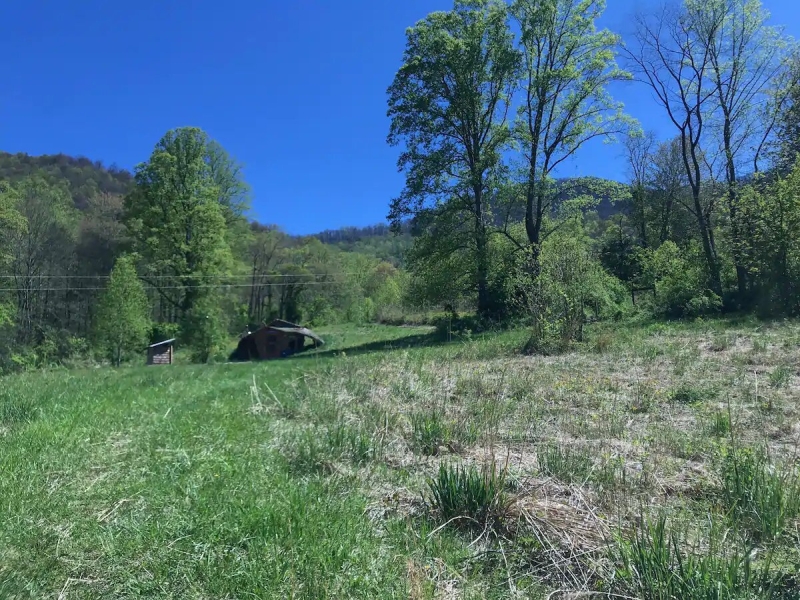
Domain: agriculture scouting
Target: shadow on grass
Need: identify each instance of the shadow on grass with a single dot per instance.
(409, 341)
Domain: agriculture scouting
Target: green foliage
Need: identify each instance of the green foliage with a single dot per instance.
(567, 66)
(679, 280)
(204, 329)
(761, 497)
(122, 320)
(720, 424)
(687, 393)
(429, 432)
(774, 211)
(571, 283)
(86, 179)
(566, 464)
(468, 493)
(661, 564)
(448, 104)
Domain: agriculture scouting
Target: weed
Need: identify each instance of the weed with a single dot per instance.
(686, 393)
(780, 376)
(721, 343)
(603, 343)
(643, 399)
(353, 444)
(659, 564)
(460, 491)
(719, 424)
(15, 411)
(761, 497)
(429, 432)
(566, 464)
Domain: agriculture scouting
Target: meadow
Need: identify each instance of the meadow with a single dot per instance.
(653, 461)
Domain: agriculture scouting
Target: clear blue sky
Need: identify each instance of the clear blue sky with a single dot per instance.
(296, 90)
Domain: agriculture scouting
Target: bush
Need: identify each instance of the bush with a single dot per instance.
(679, 281)
(476, 495)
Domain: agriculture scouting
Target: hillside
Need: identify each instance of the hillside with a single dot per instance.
(85, 177)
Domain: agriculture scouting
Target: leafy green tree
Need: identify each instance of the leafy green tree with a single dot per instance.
(178, 220)
(571, 282)
(567, 67)
(775, 209)
(42, 249)
(787, 144)
(12, 223)
(204, 328)
(122, 319)
(449, 104)
(679, 280)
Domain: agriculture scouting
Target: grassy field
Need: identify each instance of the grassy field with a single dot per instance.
(654, 461)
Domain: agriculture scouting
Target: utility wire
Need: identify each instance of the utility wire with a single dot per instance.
(250, 276)
(176, 287)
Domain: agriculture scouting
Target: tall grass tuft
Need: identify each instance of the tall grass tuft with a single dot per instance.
(565, 464)
(429, 432)
(761, 497)
(14, 411)
(475, 494)
(659, 564)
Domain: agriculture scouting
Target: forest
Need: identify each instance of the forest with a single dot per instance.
(489, 101)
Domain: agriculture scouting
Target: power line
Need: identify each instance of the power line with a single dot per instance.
(176, 287)
(250, 276)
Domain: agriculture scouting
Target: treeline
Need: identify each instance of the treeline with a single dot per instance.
(493, 97)
(96, 263)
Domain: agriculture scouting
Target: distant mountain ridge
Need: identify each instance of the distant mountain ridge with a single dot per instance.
(85, 177)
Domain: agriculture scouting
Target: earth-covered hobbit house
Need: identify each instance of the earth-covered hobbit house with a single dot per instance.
(279, 339)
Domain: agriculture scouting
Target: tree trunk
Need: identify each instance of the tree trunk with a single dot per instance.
(482, 258)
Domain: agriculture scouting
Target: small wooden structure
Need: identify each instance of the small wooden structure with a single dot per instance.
(279, 339)
(161, 353)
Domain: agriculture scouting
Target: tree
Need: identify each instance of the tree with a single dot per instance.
(44, 248)
(788, 124)
(667, 56)
(122, 320)
(639, 150)
(12, 223)
(449, 104)
(177, 219)
(567, 66)
(745, 55)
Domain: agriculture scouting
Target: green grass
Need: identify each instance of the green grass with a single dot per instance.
(335, 474)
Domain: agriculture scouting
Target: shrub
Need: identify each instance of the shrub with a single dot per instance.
(458, 491)
(679, 280)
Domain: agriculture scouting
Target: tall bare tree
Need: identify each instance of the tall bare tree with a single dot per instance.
(745, 55)
(667, 56)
